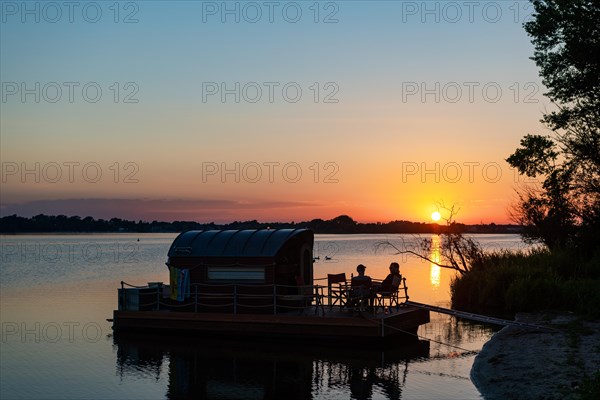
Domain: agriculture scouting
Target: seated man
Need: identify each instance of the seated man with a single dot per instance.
(361, 288)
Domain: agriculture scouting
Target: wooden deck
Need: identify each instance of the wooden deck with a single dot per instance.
(332, 325)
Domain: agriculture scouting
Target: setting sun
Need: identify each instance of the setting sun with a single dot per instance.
(436, 216)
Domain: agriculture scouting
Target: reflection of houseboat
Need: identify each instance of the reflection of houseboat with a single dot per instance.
(236, 369)
(253, 282)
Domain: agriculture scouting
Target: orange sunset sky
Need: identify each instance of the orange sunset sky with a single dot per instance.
(376, 110)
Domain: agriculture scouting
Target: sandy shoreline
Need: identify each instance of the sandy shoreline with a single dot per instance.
(519, 363)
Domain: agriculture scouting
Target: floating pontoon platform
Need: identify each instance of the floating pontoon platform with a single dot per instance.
(331, 325)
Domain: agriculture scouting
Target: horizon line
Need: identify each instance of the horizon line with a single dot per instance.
(259, 222)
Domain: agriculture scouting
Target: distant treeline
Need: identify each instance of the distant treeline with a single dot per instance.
(342, 224)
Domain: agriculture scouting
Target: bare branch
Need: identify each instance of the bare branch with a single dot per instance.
(422, 257)
(457, 252)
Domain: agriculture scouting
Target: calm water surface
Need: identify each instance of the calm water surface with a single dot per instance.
(56, 292)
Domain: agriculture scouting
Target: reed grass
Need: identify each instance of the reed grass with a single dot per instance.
(505, 282)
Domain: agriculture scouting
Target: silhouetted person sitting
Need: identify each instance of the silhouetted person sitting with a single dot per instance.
(361, 288)
(389, 288)
(392, 281)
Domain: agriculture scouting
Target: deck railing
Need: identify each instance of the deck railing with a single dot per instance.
(397, 297)
(240, 298)
(234, 297)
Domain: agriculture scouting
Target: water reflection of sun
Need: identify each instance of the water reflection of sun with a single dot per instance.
(435, 255)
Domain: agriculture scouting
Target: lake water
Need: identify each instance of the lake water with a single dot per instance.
(56, 292)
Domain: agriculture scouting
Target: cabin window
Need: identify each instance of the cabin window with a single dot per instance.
(236, 273)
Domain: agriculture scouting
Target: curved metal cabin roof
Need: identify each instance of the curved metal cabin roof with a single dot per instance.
(236, 243)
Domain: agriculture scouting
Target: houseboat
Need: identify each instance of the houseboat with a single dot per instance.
(258, 283)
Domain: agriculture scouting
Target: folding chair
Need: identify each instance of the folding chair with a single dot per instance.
(389, 298)
(337, 290)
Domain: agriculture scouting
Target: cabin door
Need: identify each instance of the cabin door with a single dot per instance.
(306, 264)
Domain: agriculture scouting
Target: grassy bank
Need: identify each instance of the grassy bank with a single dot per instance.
(506, 282)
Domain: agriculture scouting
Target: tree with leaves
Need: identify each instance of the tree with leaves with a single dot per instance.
(564, 211)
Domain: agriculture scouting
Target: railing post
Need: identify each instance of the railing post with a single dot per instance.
(405, 289)
(158, 297)
(234, 299)
(122, 297)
